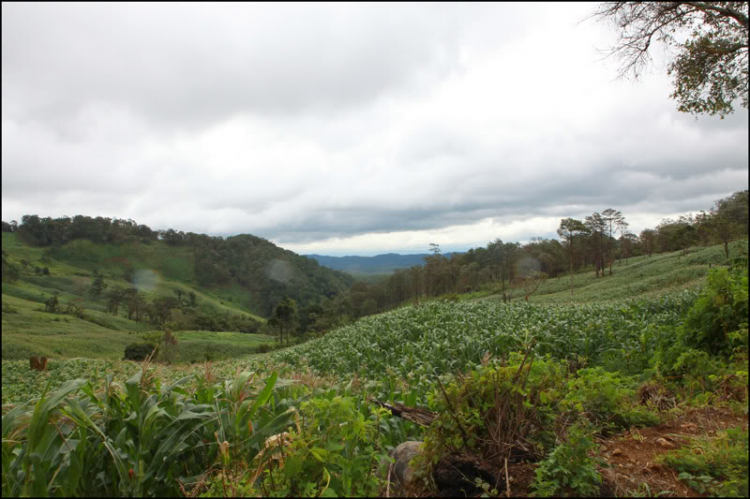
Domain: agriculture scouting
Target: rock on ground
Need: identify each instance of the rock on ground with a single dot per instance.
(402, 472)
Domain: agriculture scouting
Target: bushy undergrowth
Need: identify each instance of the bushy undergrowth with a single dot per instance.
(138, 351)
(717, 465)
(715, 326)
(718, 321)
(532, 410)
(492, 407)
(606, 399)
(333, 452)
(569, 469)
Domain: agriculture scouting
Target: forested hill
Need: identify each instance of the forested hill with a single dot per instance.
(380, 264)
(250, 269)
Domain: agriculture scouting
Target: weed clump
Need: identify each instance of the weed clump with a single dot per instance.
(718, 466)
(531, 410)
(569, 469)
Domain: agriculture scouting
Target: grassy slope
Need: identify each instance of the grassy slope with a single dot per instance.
(31, 331)
(199, 346)
(70, 271)
(639, 277)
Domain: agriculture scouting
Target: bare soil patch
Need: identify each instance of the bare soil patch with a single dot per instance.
(632, 456)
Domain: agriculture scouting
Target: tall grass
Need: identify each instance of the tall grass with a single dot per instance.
(138, 438)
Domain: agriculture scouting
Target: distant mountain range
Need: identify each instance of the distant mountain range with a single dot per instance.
(379, 264)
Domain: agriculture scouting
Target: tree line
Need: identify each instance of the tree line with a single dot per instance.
(596, 242)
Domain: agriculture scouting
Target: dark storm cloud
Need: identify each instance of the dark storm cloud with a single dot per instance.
(344, 126)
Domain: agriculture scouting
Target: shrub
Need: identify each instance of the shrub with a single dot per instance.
(334, 453)
(720, 311)
(495, 412)
(264, 348)
(138, 351)
(606, 399)
(569, 469)
(7, 309)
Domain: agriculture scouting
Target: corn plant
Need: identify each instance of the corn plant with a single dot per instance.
(134, 439)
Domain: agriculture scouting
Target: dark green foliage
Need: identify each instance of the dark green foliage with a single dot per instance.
(607, 399)
(161, 309)
(526, 409)
(285, 317)
(10, 271)
(97, 285)
(115, 296)
(720, 313)
(48, 231)
(136, 304)
(716, 324)
(52, 304)
(138, 351)
(569, 469)
(269, 273)
(335, 454)
(497, 412)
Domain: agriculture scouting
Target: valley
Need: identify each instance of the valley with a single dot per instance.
(619, 359)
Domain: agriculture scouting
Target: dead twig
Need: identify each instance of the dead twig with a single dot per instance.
(388, 487)
(417, 415)
(507, 479)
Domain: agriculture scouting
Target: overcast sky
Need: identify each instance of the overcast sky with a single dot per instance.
(346, 129)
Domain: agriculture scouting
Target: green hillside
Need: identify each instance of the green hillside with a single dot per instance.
(246, 272)
(637, 277)
(157, 270)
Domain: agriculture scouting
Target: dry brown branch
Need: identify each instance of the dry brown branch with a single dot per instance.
(417, 415)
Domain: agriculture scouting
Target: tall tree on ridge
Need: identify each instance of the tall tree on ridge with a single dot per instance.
(568, 230)
(596, 225)
(613, 220)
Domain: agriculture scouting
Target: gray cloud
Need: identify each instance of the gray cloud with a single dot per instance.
(302, 123)
(197, 63)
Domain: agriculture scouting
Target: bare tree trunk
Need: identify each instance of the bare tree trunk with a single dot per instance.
(571, 275)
